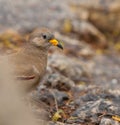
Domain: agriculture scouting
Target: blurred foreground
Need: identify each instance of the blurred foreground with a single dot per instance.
(13, 109)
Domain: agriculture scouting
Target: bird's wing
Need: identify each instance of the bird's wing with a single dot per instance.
(25, 77)
(26, 73)
(23, 67)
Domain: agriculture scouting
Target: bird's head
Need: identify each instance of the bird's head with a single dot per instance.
(44, 38)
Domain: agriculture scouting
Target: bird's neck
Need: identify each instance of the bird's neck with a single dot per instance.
(35, 51)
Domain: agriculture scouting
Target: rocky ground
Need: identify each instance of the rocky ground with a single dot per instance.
(81, 85)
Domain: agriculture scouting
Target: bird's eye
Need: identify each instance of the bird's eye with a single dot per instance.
(44, 36)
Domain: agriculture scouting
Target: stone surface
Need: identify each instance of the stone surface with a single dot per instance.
(58, 81)
(92, 110)
(108, 121)
(69, 67)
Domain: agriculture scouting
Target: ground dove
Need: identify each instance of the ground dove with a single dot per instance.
(31, 61)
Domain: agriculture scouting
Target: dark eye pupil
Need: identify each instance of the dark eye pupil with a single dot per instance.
(44, 36)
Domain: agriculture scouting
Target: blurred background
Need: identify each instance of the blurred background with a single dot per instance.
(87, 69)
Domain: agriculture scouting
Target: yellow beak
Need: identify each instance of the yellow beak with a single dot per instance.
(56, 43)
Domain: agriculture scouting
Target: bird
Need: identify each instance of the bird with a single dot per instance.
(30, 62)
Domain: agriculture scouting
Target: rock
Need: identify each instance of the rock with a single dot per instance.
(60, 96)
(89, 33)
(108, 121)
(58, 81)
(104, 14)
(85, 18)
(36, 14)
(58, 11)
(71, 44)
(92, 110)
(103, 65)
(50, 96)
(60, 123)
(88, 93)
(68, 67)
